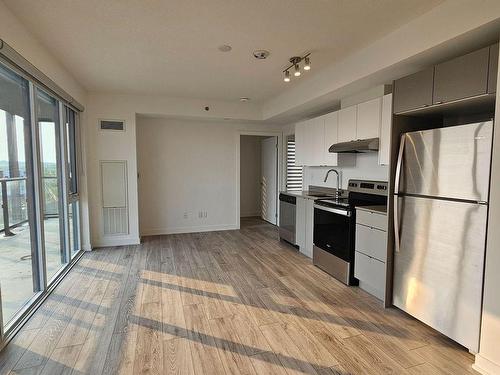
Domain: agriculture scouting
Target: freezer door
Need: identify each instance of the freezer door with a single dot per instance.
(451, 162)
(438, 271)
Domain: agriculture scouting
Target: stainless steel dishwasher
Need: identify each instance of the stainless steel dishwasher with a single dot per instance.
(287, 218)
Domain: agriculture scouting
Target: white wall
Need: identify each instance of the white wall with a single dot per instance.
(19, 38)
(185, 167)
(488, 359)
(250, 176)
(366, 167)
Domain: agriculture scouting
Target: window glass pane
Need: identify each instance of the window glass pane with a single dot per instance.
(19, 277)
(293, 172)
(50, 165)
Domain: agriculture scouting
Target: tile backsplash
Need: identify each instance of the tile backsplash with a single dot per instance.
(359, 166)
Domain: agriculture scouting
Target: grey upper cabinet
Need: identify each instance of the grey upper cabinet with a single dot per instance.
(413, 91)
(462, 77)
(493, 69)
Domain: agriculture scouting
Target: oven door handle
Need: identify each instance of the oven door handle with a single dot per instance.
(333, 210)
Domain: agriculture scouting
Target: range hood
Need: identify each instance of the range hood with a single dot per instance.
(353, 147)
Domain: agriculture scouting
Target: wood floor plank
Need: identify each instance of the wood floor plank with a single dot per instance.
(15, 350)
(204, 351)
(177, 357)
(288, 353)
(62, 361)
(149, 341)
(267, 363)
(232, 354)
(248, 332)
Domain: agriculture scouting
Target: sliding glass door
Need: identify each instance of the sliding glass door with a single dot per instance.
(40, 206)
(20, 277)
(49, 130)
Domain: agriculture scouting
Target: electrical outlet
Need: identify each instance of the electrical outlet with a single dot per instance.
(185, 215)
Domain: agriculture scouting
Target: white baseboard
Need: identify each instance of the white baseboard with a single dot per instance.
(116, 241)
(485, 366)
(194, 229)
(250, 214)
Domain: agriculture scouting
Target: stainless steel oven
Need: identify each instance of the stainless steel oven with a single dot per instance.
(333, 235)
(335, 225)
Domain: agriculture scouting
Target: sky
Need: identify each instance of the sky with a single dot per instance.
(47, 136)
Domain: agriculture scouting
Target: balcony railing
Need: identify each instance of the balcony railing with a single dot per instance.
(14, 210)
(14, 207)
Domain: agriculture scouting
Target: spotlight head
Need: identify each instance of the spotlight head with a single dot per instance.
(297, 70)
(307, 64)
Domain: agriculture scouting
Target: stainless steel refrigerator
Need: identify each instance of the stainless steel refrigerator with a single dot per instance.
(440, 217)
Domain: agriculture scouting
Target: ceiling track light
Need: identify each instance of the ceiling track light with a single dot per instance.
(295, 64)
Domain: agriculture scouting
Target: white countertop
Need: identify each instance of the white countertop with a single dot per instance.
(306, 194)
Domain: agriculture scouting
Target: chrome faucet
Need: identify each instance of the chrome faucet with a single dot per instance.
(339, 189)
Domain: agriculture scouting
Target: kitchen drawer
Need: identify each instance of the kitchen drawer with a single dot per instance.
(371, 241)
(371, 219)
(371, 274)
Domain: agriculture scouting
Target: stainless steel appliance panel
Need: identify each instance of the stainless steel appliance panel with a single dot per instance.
(449, 162)
(438, 271)
(335, 266)
(287, 226)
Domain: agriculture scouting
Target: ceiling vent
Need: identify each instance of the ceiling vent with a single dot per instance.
(116, 125)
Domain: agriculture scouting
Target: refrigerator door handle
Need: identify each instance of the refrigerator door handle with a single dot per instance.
(396, 192)
(396, 224)
(399, 164)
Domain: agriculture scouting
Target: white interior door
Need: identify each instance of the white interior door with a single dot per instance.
(269, 178)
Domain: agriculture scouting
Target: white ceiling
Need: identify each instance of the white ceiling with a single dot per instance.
(169, 47)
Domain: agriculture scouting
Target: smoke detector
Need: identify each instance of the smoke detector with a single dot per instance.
(225, 48)
(261, 54)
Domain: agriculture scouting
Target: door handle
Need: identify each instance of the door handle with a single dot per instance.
(399, 164)
(397, 242)
(396, 192)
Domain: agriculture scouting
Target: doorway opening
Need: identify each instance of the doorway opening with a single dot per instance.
(259, 183)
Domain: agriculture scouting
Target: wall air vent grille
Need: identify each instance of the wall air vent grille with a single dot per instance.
(115, 125)
(114, 189)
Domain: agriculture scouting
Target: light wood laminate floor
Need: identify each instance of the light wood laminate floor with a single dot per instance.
(232, 302)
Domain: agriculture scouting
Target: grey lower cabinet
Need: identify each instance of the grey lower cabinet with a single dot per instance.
(462, 77)
(371, 251)
(413, 91)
